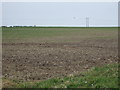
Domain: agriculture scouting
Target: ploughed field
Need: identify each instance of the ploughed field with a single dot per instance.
(40, 53)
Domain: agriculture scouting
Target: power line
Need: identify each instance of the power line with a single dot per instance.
(87, 21)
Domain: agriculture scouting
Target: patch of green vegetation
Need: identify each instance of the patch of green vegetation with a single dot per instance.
(37, 34)
(28, 32)
(97, 77)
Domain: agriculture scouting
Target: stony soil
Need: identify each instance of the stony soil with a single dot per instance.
(40, 61)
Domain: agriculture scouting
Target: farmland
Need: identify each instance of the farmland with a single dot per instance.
(32, 54)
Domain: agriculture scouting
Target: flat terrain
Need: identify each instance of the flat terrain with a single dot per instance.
(35, 54)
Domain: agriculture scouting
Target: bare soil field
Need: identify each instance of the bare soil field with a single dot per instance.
(35, 60)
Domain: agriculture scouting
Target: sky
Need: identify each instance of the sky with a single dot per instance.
(59, 0)
(60, 13)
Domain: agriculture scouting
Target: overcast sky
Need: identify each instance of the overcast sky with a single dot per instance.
(60, 13)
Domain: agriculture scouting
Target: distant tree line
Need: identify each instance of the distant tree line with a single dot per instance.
(19, 26)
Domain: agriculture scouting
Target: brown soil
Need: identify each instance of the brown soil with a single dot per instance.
(40, 61)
